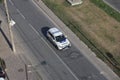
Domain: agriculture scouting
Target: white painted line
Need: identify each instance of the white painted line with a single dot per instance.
(55, 53)
(11, 2)
(29, 66)
(102, 72)
(34, 29)
(111, 6)
(29, 71)
(20, 13)
(52, 49)
(61, 60)
(46, 15)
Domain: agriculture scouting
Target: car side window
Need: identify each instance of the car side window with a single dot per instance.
(51, 35)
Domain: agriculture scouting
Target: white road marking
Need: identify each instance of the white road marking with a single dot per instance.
(11, 2)
(34, 29)
(55, 53)
(48, 44)
(46, 15)
(102, 72)
(61, 60)
(29, 71)
(20, 13)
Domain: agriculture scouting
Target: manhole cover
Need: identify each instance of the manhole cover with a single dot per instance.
(43, 62)
(20, 70)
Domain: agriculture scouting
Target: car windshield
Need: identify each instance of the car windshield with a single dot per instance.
(60, 38)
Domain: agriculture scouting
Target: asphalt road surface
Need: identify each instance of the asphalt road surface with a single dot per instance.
(31, 25)
(114, 3)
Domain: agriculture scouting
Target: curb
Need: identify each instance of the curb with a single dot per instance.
(91, 56)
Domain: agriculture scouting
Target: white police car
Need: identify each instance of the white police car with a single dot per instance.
(58, 38)
(2, 78)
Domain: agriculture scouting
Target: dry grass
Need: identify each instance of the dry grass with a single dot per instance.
(102, 28)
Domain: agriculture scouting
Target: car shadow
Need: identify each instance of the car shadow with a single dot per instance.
(44, 31)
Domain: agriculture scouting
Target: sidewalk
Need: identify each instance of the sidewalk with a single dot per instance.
(15, 69)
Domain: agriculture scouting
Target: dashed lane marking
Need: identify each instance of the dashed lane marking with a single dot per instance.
(20, 13)
(11, 2)
(55, 54)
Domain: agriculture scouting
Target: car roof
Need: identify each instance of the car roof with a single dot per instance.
(55, 32)
(2, 79)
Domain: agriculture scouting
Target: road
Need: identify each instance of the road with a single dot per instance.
(114, 3)
(31, 26)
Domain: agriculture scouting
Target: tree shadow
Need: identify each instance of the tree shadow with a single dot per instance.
(44, 32)
(7, 40)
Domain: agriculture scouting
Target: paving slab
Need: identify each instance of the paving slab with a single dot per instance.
(15, 69)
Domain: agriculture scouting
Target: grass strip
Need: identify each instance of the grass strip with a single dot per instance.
(74, 26)
(1, 1)
(110, 11)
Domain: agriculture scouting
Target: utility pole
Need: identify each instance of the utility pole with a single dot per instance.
(10, 24)
(26, 71)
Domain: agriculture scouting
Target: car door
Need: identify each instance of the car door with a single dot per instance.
(51, 37)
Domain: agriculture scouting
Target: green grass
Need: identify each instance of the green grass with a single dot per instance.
(1, 1)
(110, 11)
(58, 10)
(76, 28)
